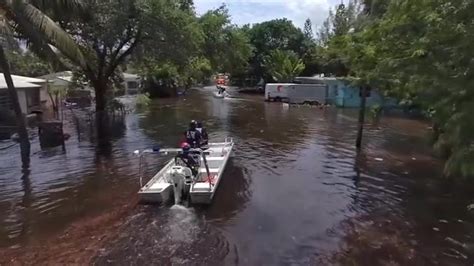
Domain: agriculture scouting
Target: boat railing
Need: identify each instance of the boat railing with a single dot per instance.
(165, 151)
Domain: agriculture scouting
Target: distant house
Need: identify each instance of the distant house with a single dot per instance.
(77, 93)
(63, 79)
(341, 93)
(32, 93)
(131, 83)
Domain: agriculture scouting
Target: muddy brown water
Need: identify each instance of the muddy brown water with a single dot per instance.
(294, 192)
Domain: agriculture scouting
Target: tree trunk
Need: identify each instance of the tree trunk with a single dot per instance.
(101, 116)
(53, 102)
(100, 97)
(20, 120)
(360, 130)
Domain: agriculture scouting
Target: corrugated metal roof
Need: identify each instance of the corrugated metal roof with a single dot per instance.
(21, 82)
(27, 79)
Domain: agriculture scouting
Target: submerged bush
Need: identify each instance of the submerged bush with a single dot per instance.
(143, 101)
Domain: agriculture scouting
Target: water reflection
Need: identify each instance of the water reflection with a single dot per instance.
(294, 191)
(175, 234)
(231, 197)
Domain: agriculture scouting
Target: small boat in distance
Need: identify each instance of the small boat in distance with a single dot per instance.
(219, 95)
(176, 180)
(221, 92)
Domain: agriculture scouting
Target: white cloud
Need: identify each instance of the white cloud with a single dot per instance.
(252, 11)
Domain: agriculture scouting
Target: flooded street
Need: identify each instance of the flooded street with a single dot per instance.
(294, 192)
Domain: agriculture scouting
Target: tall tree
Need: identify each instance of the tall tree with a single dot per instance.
(20, 120)
(420, 52)
(278, 34)
(172, 49)
(283, 66)
(38, 29)
(308, 29)
(107, 31)
(324, 32)
(27, 64)
(335, 38)
(236, 51)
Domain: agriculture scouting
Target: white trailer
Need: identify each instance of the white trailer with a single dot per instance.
(277, 91)
(307, 93)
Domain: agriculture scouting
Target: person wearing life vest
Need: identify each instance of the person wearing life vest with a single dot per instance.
(204, 136)
(220, 89)
(193, 136)
(189, 159)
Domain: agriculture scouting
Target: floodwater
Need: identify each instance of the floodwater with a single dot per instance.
(295, 191)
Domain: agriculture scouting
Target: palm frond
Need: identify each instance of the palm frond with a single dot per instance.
(283, 66)
(54, 34)
(6, 33)
(58, 4)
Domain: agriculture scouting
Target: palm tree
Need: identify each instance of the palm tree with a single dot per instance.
(30, 23)
(284, 66)
(20, 120)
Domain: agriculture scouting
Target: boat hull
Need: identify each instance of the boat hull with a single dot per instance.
(160, 190)
(163, 196)
(202, 197)
(218, 95)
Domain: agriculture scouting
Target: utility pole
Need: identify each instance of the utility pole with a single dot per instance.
(363, 101)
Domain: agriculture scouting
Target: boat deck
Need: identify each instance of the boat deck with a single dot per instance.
(160, 188)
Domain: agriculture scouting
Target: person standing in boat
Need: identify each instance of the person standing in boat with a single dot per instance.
(188, 158)
(193, 136)
(204, 136)
(222, 90)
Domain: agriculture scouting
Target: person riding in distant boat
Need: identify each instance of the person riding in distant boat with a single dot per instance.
(193, 136)
(204, 136)
(188, 158)
(222, 90)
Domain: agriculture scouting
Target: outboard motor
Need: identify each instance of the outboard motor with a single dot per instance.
(182, 179)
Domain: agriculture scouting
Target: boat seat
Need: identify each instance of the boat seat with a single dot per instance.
(214, 158)
(201, 187)
(211, 170)
(159, 186)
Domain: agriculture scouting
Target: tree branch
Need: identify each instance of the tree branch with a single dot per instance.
(117, 60)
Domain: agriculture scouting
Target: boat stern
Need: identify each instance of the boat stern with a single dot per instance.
(158, 193)
(201, 193)
(201, 197)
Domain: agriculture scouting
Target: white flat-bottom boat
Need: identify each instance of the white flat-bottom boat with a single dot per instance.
(216, 94)
(177, 180)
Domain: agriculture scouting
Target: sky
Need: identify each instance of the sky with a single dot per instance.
(253, 11)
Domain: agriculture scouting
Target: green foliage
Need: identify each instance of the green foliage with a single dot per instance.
(172, 33)
(169, 57)
(335, 39)
(278, 34)
(283, 66)
(308, 29)
(142, 101)
(198, 70)
(31, 21)
(27, 64)
(226, 46)
(419, 52)
(181, 49)
(56, 93)
(213, 25)
(161, 79)
(375, 111)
